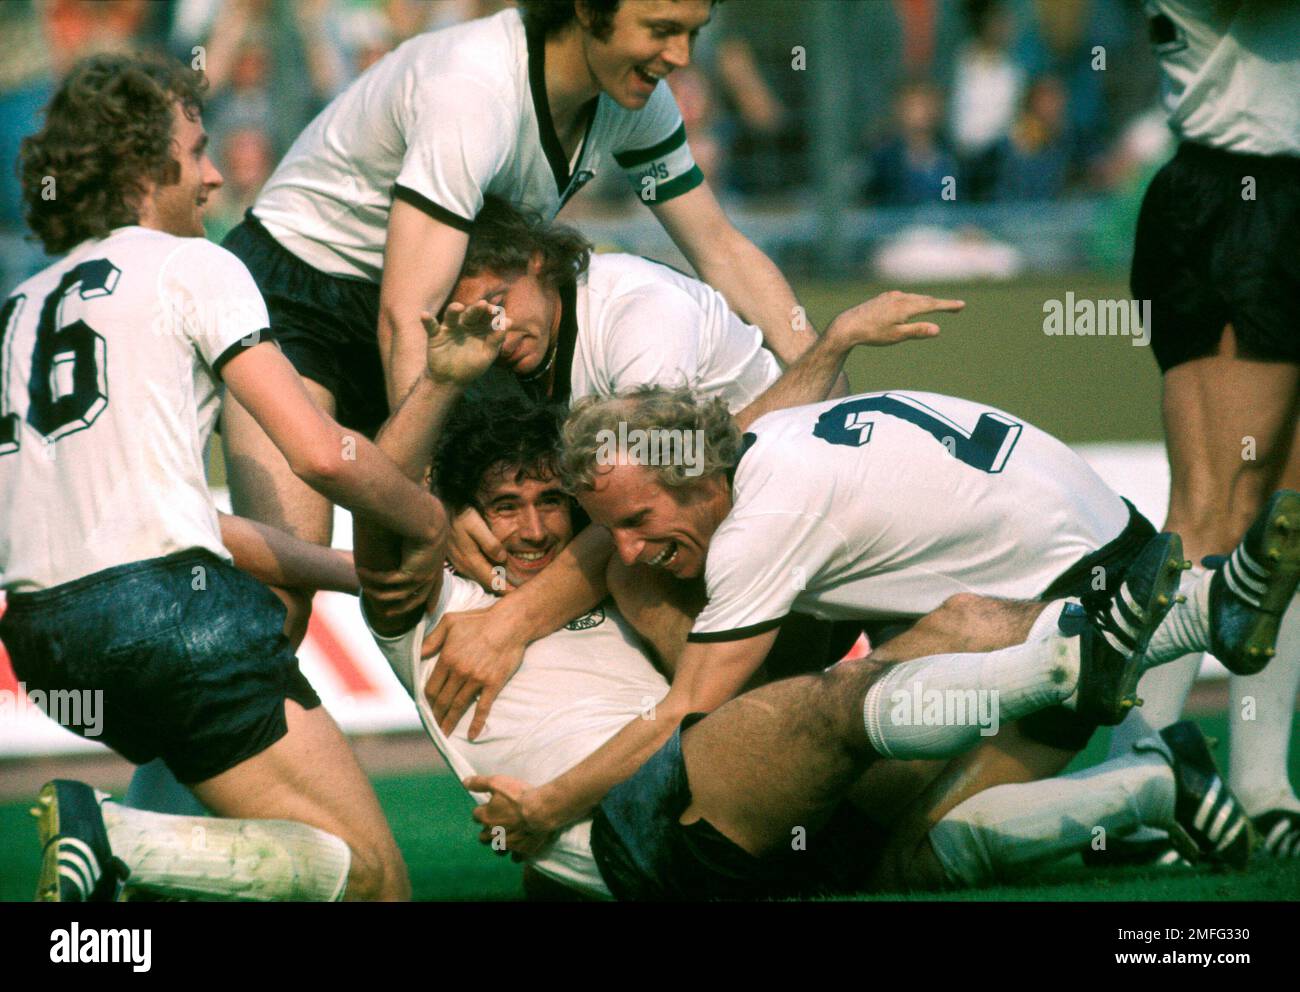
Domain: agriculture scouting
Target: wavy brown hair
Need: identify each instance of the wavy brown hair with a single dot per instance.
(108, 129)
(503, 239)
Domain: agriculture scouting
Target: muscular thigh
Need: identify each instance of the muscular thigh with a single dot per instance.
(309, 775)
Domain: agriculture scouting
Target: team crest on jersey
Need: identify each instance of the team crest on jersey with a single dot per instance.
(588, 620)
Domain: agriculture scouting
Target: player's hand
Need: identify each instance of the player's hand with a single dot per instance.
(890, 318)
(477, 655)
(408, 587)
(465, 342)
(509, 808)
(476, 554)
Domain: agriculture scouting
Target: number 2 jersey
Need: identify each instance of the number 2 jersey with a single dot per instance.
(883, 505)
(109, 366)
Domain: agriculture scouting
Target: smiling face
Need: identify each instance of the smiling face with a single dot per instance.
(532, 308)
(653, 524)
(531, 517)
(177, 208)
(648, 40)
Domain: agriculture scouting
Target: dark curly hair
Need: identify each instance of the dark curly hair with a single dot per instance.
(495, 435)
(503, 239)
(108, 128)
(548, 17)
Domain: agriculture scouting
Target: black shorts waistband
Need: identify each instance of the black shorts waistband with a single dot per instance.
(1232, 161)
(43, 597)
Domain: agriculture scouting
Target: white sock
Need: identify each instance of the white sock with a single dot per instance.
(1186, 627)
(1257, 755)
(942, 705)
(1003, 830)
(201, 856)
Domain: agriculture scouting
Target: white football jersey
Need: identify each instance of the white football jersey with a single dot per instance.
(109, 387)
(1231, 72)
(883, 505)
(448, 118)
(574, 690)
(642, 323)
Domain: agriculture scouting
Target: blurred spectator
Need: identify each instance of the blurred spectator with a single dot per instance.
(909, 168)
(1033, 161)
(694, 95)
(765, 92)
(245, 159)
(987, 87)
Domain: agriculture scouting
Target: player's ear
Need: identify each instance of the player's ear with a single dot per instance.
(535, 263)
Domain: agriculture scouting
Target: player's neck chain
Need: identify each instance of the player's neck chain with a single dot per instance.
(545, 369)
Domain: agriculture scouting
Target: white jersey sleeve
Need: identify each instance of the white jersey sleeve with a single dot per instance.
(757, 566)
(461, 135)
(654, 153)
(209, 297)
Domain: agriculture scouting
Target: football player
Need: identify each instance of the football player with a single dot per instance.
(584, 324)
(1216, 255)
(779, 762)
(364, 224)
(110, 550)
(879, 506)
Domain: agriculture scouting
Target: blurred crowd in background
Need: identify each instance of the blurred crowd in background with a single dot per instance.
(996, 101)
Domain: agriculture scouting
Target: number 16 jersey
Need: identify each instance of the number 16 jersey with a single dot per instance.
(883, 505)
(109, 365)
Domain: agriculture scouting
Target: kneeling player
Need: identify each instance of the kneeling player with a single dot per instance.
(116, 576)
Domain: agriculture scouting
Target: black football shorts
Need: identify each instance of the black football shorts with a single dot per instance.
(1218, 242)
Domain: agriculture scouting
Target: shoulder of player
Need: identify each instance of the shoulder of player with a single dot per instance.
(778, 473)
(475, 54)
(628, 286)
(195, 262)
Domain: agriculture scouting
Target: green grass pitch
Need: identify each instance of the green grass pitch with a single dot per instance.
(430, 817)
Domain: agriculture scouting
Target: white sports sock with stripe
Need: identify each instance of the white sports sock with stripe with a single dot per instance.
(941, 705)
(1186, 627)
(1002, 831)
(1260, 715)
(210, 857)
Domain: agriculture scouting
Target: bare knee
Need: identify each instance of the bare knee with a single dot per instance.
(834, 716)
(377, 874)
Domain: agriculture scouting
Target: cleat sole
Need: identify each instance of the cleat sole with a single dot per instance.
(1283, 543)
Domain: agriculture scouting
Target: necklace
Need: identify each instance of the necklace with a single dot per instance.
(545, 368)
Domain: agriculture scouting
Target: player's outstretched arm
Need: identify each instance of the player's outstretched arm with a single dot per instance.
(707, 676)
(277, 558)
(422, 258)
(884, 320)
(340, 464)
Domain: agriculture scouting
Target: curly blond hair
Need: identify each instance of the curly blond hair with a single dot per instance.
(594, 420)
